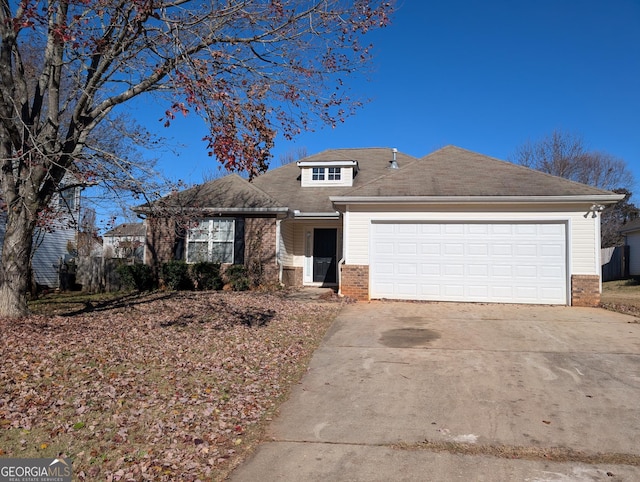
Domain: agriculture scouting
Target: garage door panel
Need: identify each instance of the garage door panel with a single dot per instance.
(453, 249)
(501, 250)
(453, 291)
(478, 291)
(410, 249)
(481, 270)
(502, 229)
(431, 269)
(407, 289)
(407, 229)
(454, 229)
(430, 290)
(430, 248)
(526, 250)
(525, 272)
(551, 229)
(551, 272)
(478, 249)
(501, 293)
(453, 270)
(502, 262)
(405, 269)
(501, 271)
(385, 268)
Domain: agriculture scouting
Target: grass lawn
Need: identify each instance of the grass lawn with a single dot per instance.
(162, 386)
(622, 296)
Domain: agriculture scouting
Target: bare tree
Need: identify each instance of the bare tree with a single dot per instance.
(565, 155)
(293, 155)
(250, 68)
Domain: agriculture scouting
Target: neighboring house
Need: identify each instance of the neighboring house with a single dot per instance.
(631, 233)
(452, 226)
(125, 241)
(51, 243)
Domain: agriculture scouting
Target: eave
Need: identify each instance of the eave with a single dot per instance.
(577, 199)
(282, 211)
(327, 163)
(320, 215)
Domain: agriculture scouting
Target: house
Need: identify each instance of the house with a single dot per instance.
(631, 233)
(125, 241)
(55, 239)
(378, 224)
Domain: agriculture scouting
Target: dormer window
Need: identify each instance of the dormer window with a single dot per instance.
(317, 174)
(327, 173)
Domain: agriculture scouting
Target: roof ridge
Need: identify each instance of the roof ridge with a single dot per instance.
(234, 176)
(519, 166)
(382, 176)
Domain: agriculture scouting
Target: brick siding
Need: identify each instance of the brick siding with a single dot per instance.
(292, 276)
(260, 248)
(260, 245)
(355, 281)
(585, 290)
(161, 241)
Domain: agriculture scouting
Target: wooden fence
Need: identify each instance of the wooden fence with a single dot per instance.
(615, 263)
(98, 275)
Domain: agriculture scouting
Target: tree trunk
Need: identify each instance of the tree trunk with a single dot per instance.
(14, 273)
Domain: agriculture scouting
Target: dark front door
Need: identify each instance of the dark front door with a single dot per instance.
(324, 255)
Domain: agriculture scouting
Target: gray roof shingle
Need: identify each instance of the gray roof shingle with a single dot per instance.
(127, 229)
(452, 171)
(449, 171)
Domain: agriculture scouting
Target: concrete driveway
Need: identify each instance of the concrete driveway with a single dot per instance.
(445, 391)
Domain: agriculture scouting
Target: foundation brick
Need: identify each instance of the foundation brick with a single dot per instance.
(292, 276)
(355, 281)
(585, 290)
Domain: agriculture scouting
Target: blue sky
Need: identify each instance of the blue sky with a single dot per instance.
(483, 75)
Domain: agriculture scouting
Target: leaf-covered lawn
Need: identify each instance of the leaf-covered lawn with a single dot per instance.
(168, 386)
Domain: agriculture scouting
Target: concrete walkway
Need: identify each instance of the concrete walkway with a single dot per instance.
(443, 391)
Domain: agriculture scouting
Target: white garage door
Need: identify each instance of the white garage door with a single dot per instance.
(493, 262)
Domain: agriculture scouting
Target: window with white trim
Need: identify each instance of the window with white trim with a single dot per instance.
(211, 240)
(67, 199)
(326, 174)
(317, 174)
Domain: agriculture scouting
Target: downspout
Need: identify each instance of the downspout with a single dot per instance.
(598, 240)
(341, 263)
(278, 260)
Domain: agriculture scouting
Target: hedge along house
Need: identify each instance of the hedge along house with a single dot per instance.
(452, 226)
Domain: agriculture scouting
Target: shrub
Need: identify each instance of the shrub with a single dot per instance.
(206, 276)
(238, 277)
(136, 276)
(176, 275)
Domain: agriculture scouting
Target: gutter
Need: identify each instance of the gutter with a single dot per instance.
(331, 215)
(241, 210)
(601, 198)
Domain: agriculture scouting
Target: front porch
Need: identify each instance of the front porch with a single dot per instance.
(310, 252)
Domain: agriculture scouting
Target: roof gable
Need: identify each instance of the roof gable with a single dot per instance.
(230, 192)
(284, 184)
(127, 229)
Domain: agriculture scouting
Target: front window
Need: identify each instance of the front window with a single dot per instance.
(334, 174)
(67, 199)
(211, 240)
(317, 174)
